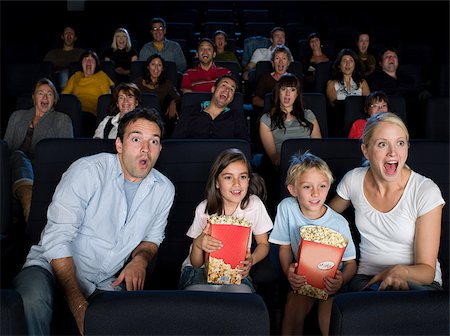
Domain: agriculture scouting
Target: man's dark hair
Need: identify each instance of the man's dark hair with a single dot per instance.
(206, 39)
(158, 20)
(230, 75)
(151, 114)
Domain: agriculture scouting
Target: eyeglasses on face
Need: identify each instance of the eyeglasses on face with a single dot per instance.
(158, 28)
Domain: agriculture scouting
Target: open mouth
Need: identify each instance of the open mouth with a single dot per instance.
(391, 167)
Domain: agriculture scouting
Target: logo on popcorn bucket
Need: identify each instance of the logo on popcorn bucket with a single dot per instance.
(325, 265)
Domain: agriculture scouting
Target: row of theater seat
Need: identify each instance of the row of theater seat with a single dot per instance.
(187, 163)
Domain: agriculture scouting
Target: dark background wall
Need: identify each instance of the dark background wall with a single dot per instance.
(30, 28)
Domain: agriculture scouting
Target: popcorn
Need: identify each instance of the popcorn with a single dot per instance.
(319, 255)
(222, 264)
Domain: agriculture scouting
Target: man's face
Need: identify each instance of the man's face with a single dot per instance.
(205, 53)
(158, 31)
(69, 36)
(389, 62)
(140, 149)
(278, 38)
(223, 94)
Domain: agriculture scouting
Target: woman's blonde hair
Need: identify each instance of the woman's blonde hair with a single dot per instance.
(127, 35)
(374, 121)
(300, 163)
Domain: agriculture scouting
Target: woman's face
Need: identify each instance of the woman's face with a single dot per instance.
(314, 43)
(43, 98)
(377, 106)
(88, 65)
(288, 95)
(126, 102)
(347, 65)
(155, 68)
(387, 151)
(121, 41)
(281, 62)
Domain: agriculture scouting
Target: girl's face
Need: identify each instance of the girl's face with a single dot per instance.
(347, 65)
(288, 95)
(387, 151)
(233, 183)
(126, 102)
(311, 190)
(155, 67)
(44, 98)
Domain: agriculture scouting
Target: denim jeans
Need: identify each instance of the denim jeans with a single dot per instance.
(36, 285)
(360, 280)
(196, 276)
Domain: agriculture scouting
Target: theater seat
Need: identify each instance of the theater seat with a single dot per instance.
(177, 313)
(390, 313)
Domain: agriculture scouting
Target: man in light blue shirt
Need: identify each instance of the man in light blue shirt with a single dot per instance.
(106, 210)
(170, 50)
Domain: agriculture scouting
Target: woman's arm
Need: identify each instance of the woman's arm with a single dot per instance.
(268, 143)
(316, 134)
(426, 247)
(365, 88)
(339, 204)
(331, 92)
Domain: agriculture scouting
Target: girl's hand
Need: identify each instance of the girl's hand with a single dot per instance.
(296, 281)
(332, 285)
(393, 277)
(206, 242)
(246, 265)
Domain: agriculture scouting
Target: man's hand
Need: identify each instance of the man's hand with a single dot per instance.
(133, 274)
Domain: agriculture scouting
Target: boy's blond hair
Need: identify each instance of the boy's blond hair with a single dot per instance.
(300, 163)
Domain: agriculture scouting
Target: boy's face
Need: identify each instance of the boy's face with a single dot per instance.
(311, 190)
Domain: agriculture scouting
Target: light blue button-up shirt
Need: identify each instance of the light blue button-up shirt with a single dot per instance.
(88, 220)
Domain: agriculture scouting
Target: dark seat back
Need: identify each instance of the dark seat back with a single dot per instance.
(437, 118)
(390, 313)
(177, 313)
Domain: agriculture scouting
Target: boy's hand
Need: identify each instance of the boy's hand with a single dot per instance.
(332, 285)
(246, 265)
(296, 281)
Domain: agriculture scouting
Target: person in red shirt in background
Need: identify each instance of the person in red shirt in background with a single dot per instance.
(203, 76)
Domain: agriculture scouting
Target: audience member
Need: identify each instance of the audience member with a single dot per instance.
(376, 101)
(394, 82)
(231, 190)
(25, 129)
(277, 38)
(155, 80)
(125, 98)
(287, 119)
(202, 77)
(89, 84)
(170, 50)
(281, 58)
(220, 39)
(397, 212)
(122, 53)
(314, 56)
(105, 223)
(214, 119)
(308, 180)
(346, 79)
(368, 60)
(62, 57)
